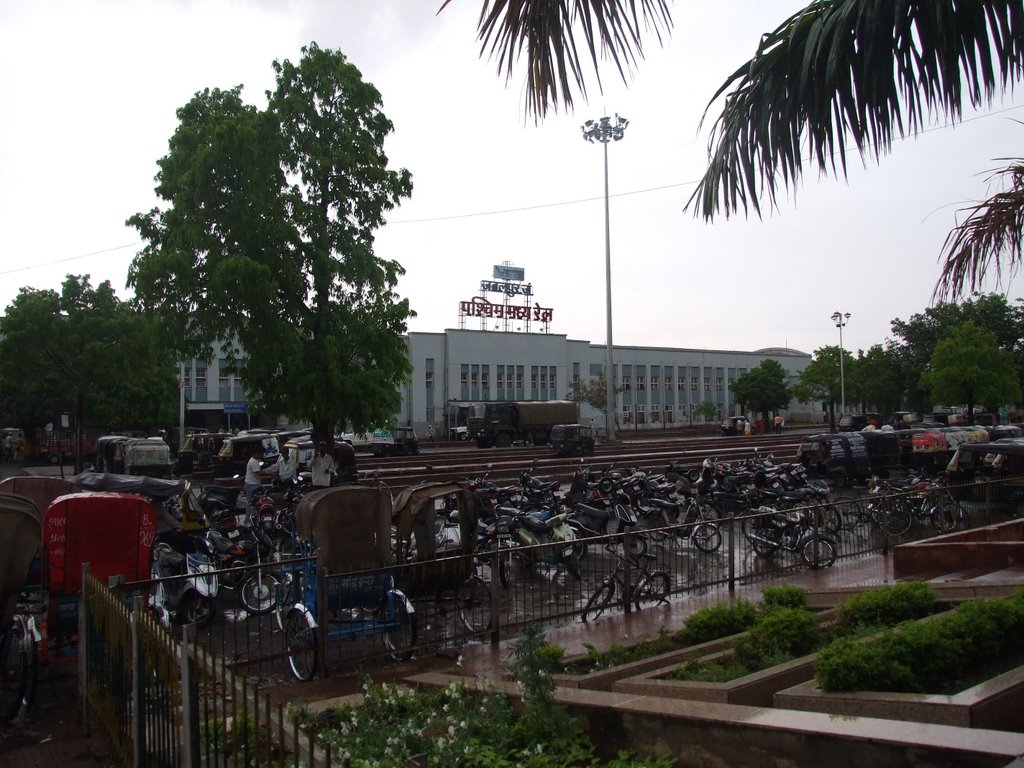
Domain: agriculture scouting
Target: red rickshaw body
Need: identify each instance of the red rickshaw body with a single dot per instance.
(113, 532)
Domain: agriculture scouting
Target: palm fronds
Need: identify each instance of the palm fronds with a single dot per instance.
(992, 231)
(851, 71)
(544, 31)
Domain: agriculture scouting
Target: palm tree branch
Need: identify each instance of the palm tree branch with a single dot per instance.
(864, 71)
(544, 33)
(993, 230)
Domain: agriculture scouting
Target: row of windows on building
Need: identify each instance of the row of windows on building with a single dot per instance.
(198, 374)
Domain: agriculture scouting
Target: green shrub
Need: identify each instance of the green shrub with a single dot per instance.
(785, 596)
(717, 621)
(618, 654)
(886, 606)
(793, 632)
(551, 658)
(925, 656)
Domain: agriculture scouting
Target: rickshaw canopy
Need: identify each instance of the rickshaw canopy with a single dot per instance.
(20, 534)
(350, 525)
(415, 512)
(113, 532)
(40, 490)
(151, 487)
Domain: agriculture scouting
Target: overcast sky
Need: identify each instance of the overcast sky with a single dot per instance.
(90, 88)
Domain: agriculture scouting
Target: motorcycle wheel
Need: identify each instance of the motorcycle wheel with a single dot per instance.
(707, 537)
(301, 642)
(654, 588)
(195, 609)
(599, 601)
(638, 545)
(258, 593)
(763, 540)
(826, 552)
(474, 601)
(572, 564)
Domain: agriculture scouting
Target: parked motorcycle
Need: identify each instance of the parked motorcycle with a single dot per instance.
(186, 580)
(544, 528)
(239, 554)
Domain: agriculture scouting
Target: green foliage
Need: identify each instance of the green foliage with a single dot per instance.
(90, 352)
(237, 737)
(926, 656)
(458, 727)
(968, 367)
(618, 654)
(886, 606)
(710, 672)
(706, 409)
(764, 388)
(267, 237)
(551, 657)
(593, 392)
(782, 630)
(821, 380)
(717, 621)
(784, 596)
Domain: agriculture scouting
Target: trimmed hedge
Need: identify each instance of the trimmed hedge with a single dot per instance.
(926, 657)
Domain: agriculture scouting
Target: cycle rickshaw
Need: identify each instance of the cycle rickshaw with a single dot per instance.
(348, 529)
(20, 536)
(436, 530)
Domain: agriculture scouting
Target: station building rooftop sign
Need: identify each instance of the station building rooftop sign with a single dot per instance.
(514, 310)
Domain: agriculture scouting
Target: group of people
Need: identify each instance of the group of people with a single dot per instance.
(325, 469)
(745, 426)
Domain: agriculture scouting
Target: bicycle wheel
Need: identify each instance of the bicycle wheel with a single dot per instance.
(259, 592)
(397, 626)
(944, 512)
(653, 587)
(824, 554)
(599, 601)
(474, 601)
(896, 518)
(707, 537)
(301, 641)
(638, 545)
(13, 671)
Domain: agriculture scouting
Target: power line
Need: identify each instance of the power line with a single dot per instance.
(72, 258)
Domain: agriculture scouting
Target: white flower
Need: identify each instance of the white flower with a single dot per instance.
(458, 661)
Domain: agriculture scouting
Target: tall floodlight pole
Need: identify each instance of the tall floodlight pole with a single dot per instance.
(840, 320)
(604, 131)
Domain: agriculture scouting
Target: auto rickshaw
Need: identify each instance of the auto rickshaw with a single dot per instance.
(573, 439)
(20, 536)
(842, 456)
(196, 454)
(149, 456)
(235, 451)
(109, 453)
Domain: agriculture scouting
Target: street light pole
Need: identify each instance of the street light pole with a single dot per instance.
(840, 320)
(604, 131)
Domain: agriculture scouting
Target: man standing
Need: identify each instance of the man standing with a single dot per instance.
(253, 479)
(285, 467)
(322, 467)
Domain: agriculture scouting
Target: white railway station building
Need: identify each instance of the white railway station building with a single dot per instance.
(512, 355)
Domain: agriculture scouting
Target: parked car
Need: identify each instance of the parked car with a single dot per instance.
(573, 439)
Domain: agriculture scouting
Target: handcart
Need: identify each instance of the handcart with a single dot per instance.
(437, 557)
(345, 532)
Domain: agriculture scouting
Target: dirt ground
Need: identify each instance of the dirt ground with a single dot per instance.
(50, 733)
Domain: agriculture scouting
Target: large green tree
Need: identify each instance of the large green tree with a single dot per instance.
(85, 350)
(914, 340)
(836, 74)
(822, 380)
(266, 242)
(763, 389)
(969, 367)
(876, 383)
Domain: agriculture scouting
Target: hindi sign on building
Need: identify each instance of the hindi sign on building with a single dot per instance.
(505, 272)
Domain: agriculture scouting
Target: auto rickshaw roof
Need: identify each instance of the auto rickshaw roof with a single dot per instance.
(151, 487)
(1007, 445)
(350, 525)
(20, 536)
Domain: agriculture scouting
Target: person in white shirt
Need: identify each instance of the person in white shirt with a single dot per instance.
(253, 478)
(322, 467)
(285, 467)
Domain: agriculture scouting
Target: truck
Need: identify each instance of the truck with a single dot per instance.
(529, 421)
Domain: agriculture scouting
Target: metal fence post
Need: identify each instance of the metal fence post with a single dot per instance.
(732, 550)
(321, 617)
(189, 701)
(627, 582)
(138, 688)
(83, 649)
(495, 564)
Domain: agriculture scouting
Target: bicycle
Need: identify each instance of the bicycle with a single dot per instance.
(651, 585)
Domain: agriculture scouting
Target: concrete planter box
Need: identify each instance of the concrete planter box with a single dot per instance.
(996, 704)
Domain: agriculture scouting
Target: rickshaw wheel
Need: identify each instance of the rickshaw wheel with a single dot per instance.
(398, 626)
(474, 601)
(300, 640)
(14, 670)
